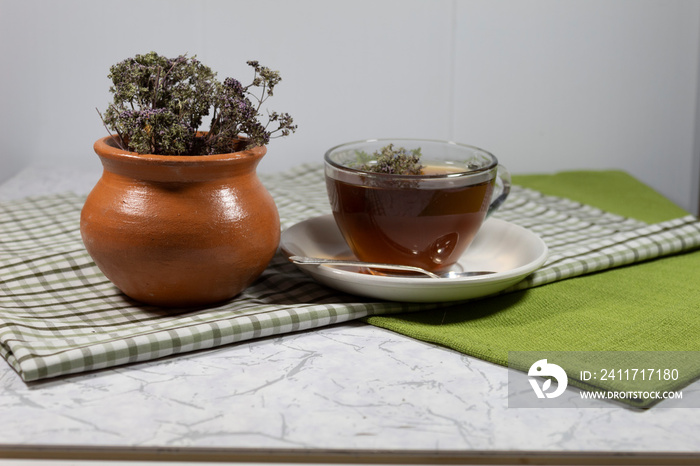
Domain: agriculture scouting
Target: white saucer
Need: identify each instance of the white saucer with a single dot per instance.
(511, 251)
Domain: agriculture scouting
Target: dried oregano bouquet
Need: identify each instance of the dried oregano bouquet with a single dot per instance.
(159, 105)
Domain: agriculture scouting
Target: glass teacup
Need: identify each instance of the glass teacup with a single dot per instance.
(426, 220)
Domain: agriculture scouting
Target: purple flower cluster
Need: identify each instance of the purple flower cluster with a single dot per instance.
(234, 86)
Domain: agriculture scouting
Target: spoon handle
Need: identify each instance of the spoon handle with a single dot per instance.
(317, 260)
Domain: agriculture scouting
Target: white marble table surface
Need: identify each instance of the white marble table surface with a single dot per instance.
(339, 389)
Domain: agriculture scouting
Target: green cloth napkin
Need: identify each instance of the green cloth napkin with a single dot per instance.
(59, 315)
(612, 191)
(651, 306)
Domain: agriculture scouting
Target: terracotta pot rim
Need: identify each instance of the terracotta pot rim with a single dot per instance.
(103, 148)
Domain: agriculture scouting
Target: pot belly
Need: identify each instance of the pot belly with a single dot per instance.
(180, 246)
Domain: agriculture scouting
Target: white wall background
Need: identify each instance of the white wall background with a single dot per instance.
(546, 85)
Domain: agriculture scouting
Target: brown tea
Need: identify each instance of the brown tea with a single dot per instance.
(409, 224)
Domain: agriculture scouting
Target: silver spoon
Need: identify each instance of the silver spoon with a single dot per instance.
(372, 265)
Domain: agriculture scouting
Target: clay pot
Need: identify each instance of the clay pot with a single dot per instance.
(179, 230)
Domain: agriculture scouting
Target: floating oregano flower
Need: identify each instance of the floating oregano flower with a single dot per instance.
(389, 160)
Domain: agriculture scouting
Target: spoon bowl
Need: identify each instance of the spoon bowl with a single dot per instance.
(374, 265)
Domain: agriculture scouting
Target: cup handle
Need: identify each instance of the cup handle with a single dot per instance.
(501, 189)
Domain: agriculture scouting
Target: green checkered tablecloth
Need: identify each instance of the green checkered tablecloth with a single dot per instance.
(59, 315)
